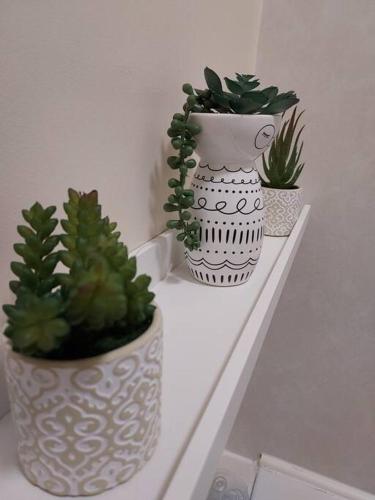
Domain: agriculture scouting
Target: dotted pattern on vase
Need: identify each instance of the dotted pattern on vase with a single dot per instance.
(82, 431)
(229, 207)
(283, 207)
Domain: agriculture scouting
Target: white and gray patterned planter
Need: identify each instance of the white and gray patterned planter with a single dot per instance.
(228, 196)
(84, 426)
(283, 207)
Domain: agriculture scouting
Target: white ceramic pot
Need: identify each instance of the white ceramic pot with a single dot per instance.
(283, 207)
(228, 196)
(84, 426)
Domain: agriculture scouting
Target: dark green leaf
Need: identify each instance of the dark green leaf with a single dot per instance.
(185, 215)
(172, 224)
(270, 92)
(187, 89)
(212, 80)
(169, 207)
(173, 183)
(256, 96)
(233, 86)
(245, 105)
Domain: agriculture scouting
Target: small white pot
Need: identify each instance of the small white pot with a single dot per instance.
(86, 425)
(283, 207)
(228, 196)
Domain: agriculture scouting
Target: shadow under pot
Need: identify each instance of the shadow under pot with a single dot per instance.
(87, 425)
(228, 196)
(283, 207)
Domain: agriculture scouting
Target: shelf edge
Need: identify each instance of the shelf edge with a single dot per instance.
(193, 475)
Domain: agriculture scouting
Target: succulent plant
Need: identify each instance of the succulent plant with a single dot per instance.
(239, 98)
(283, 167)
(98, 305)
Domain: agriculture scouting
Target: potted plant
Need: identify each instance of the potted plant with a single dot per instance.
(219, 218)
(282, 196)
(83, 359)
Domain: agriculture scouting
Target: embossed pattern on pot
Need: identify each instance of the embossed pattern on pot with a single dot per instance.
(282, 207)
(88, 425)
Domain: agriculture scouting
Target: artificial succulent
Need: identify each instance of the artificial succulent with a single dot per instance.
(241, 97)
(283, 167)
(98, 305)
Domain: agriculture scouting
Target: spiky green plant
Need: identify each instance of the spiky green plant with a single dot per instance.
(239, 98)
(97, 306)
(283, 167)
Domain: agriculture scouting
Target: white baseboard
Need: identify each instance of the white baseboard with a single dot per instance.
(159, 256)
(234, 475)
(317, 481)
(4, 401)
(244, 467)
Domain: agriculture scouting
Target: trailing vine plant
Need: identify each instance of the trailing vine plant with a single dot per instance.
(239, 98)
(182, 134)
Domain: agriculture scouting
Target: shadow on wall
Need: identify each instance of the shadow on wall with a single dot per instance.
(159, 190)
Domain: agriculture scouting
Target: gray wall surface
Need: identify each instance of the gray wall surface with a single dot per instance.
(312, 398)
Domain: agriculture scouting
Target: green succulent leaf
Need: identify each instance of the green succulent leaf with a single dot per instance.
(256, 96)
(246, 105)
(283, 169)
(96, 299)
(35, 326)
(280, 104)
(233, 86)
(213, 80)
(270, 92)
(98, 304)
(187, 89)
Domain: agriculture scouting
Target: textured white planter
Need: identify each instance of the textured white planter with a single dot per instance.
(228, 196)
(87, 425)
(283, 207)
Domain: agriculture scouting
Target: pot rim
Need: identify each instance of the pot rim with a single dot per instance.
(106, 357)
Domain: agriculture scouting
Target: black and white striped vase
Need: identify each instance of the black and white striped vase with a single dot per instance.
(228, 196)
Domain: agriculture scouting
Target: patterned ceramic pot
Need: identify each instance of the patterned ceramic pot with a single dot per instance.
(283, 207)
(228, 196)
(84, 426)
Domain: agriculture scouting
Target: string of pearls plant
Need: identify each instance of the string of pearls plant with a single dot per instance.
(182, 138)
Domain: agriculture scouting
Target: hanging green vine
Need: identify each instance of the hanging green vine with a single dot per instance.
(182, 134)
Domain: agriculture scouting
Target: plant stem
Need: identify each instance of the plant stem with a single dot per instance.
(182, 174)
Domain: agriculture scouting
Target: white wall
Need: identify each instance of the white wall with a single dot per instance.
(87, 90)
(312, 397)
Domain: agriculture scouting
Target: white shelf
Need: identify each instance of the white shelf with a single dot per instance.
(212, 338)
